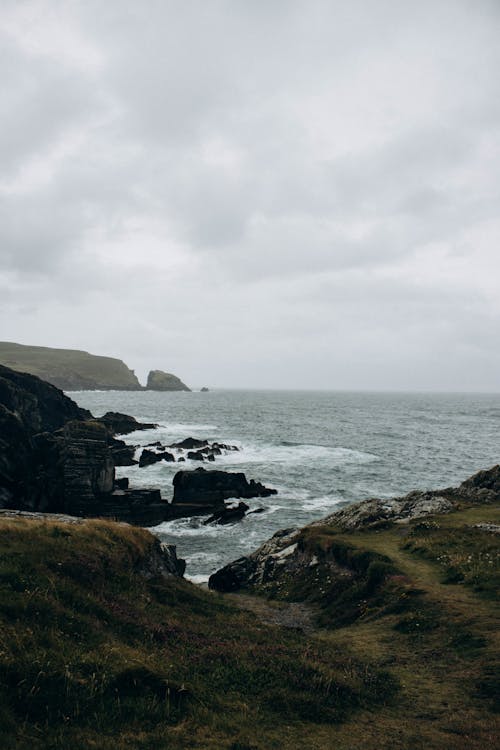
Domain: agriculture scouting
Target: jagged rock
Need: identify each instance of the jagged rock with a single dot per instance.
(232, 577)
(122, 454)
(211, 488)
(228, 514)
(204, 390)
(150, 457)
(124, 424)
(162, 561)
(401, 510)
(483, 486)
(121, 484)
(259, 567)
(165, 381)
(196, 456)
(189, 443)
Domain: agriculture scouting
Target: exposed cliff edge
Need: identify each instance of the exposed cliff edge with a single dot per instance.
(75, 370)
(165, 381)
(69, 369)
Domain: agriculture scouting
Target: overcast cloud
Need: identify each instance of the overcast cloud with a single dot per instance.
(285, 193)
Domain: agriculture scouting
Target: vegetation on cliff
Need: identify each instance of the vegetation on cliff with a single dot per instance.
(69, 369)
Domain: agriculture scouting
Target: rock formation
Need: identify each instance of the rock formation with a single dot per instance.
(211, 488)
(54, 457)
(164, 381)
(284, 554)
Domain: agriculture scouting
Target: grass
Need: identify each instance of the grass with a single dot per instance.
(422, 600)
(94, 655)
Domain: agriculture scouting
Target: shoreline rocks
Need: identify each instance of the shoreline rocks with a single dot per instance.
(283, 555)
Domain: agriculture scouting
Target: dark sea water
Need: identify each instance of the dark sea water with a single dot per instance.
(318, 449)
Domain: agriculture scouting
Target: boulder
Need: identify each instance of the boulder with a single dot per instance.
(196, 456)
(211, 488)
(164, 381)
(189, 443)
(150, 457)
(228, 514)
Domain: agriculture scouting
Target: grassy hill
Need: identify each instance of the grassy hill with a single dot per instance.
(69, 369)
(93, 654)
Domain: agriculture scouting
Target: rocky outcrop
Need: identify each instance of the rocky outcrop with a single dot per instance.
(165, 381)
(69, 369)
(124, 424)
(54, 457)
(285, 556)
(151, 457)
(211, 488)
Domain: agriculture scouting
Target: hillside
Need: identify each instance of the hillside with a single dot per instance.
(69, 369)
(384, 638)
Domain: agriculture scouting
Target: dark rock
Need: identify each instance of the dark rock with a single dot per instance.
(122, 454)
(210, 457)
(180, 459)
(148, 458)
(257, 510)
(40, 406)
(232, 577)
(277, 555)
(123, 424)
(204, 390)
(189, 443)
(165, 381)
(121, 484)
(485, 485)
(162, 561)
(196, 456)
(228, 514)
(211, 488)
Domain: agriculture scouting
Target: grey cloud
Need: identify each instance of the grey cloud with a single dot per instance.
(295, 169)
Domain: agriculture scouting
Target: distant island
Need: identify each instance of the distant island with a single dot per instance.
(75, 370)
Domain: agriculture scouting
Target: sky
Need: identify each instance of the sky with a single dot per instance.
(267, 194)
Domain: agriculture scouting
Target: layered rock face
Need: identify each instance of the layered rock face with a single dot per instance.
(54, 457)
(165, 381)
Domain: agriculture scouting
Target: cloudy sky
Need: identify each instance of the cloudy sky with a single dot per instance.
(264, 193)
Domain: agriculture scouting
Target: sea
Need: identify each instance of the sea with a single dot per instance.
(320, 450)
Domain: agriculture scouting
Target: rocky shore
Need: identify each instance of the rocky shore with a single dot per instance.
(285, 555)
(58, 458)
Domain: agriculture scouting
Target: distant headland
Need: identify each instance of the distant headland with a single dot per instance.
(74, 370)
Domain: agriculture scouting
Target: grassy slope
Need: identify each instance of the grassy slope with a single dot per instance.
(55, 365)
(423, 603)
(93, 655)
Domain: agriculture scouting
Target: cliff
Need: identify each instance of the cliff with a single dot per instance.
(69, 369)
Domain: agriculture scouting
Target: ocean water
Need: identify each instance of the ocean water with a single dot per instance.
(320, 450)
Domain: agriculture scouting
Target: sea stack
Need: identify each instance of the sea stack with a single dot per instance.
(165, 381)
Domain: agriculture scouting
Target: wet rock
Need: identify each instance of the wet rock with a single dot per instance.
(211, 488)
(124, 424)
(196, 456)
(228, 514)
(148, 457)
(189, 443)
